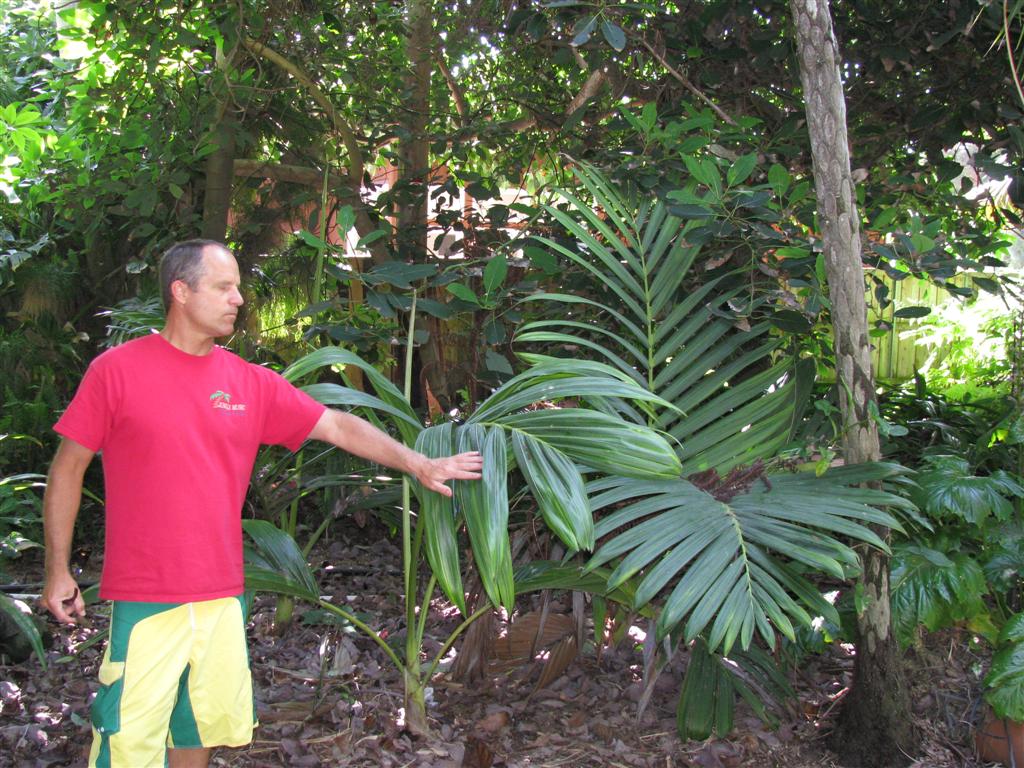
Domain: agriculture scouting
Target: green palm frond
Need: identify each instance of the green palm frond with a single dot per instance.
(734, 399)
(726, 566)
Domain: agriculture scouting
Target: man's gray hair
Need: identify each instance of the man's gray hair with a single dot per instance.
(183, 261)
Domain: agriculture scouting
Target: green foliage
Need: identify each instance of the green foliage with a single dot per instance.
(940, 578)
(482, 506)
(696, 341)
(724, 556)
(936, 589)
(40, 361)
(968, 342)
(23, 621)
(984, 430)
(727, 565)
(947, 488)
(131, 318)
(712, 682)
(21, 513)
(20, 518)
(1005, 678)
(538, 447)
(969, 570)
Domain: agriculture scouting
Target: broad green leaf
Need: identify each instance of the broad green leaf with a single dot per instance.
(484, 506)
(24, 623)
(910, 312)
(613, 34)
(558, 488)
(740, 170)
(437, 516)
(934, 589)
(778, 178)
(1004, 682)
(495, 273)
(583, 30)
(598, 441)
(460, 291)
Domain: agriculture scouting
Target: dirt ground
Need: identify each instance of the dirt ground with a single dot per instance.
(326, 697)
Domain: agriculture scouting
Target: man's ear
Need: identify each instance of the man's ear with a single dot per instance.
(179, 291)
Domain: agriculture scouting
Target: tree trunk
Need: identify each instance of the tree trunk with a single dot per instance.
(414, 153)
(412, 192)
(220, 175)
(874, 727)
(220, 172)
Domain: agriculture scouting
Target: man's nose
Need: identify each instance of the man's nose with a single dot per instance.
(236, 298)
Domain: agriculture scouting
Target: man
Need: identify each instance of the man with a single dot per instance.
(179, 421)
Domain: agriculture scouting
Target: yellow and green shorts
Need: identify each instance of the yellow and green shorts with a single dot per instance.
(173, 675)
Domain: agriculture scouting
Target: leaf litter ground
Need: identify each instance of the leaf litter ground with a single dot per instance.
(326, 696)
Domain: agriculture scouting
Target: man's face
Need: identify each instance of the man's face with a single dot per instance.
(212, 308)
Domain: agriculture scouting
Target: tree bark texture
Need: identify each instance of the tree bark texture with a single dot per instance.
(438, 354)
(874, 727)
(220, 171)
(220, 174)
(414, 152)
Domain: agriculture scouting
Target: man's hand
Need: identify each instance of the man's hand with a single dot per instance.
(359, 437)
(63, 599)
(432, 473)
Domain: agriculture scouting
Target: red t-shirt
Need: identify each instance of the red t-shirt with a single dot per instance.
(178, 435)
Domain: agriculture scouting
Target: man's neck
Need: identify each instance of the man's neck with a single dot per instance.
(187, 342)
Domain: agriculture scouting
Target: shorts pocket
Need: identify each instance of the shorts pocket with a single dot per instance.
(105, 711)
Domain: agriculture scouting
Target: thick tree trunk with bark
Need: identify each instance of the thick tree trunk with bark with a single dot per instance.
(874, 727)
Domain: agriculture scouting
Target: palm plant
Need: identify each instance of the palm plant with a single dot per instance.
(20, 509)
(547, 444)
(723, 548)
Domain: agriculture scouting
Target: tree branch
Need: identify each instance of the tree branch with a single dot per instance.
(348, 137)
(687, 84)
(453, 87)
(296, 174)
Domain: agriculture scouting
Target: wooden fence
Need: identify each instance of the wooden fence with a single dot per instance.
(894, 358)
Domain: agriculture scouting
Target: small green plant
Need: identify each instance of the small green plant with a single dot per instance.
(968, 570)
(20, 514)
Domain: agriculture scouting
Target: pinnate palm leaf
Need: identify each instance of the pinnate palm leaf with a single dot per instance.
(559, 490)
(723, 563)
(596, 440)
(729, 406)
(275, 563)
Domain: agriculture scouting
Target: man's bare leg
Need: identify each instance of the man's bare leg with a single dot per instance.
(188, 758)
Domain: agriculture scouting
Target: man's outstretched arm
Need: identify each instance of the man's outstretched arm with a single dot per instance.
(359, 437)
(61, 500)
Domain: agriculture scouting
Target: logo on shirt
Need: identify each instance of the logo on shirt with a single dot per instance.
(222, 400)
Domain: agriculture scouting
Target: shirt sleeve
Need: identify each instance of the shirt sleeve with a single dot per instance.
(291, 413)
(87, 418)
